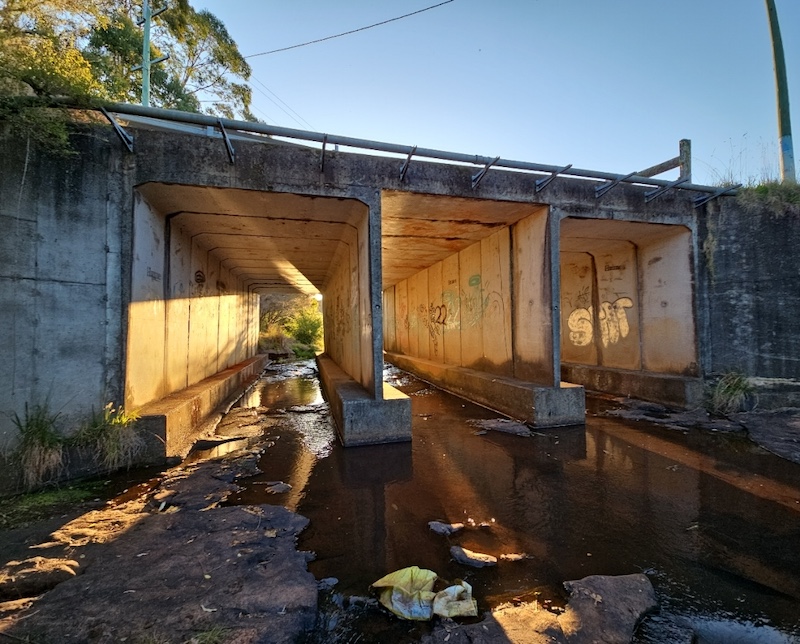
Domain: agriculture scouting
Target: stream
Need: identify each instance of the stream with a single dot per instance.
(712, 519)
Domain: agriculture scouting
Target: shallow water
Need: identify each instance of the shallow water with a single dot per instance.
(713, 520)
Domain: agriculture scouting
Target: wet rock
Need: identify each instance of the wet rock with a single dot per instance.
(31, 577)
(445, 529)
(777, 431)
(327, 584)
(202, 567)
(277, 487)
(471, 558)
(502, 425)
(606, 609)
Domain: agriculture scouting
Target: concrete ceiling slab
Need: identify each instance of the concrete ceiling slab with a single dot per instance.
(419, 230)
(583, 234)
(270, 240)
(282, 241)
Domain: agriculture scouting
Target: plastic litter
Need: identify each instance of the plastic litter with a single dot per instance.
(408, 593)
(455, 601)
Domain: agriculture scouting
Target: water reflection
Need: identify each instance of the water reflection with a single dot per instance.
(715, 522)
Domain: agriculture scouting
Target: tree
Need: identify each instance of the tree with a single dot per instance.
(87, 49)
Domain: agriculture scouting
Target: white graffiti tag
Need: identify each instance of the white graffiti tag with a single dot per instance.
(612, 320)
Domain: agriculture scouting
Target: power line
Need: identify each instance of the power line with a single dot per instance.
(291, 115)
(352, 31)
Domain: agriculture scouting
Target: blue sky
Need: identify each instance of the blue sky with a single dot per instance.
(605, 85)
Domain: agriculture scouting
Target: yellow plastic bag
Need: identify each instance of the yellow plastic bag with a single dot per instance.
(408, 592)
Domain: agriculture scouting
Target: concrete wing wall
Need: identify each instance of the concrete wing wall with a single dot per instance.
(749, 251)
(61, 251)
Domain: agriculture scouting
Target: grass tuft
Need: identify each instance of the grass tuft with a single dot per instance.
(113, 436)
(40, 451)
(732, 393)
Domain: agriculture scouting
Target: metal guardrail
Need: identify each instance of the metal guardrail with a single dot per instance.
(225, 126)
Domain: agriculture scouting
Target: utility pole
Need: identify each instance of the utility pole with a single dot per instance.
(788, 173)
(145, 20)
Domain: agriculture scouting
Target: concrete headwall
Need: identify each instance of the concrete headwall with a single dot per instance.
(459, 311)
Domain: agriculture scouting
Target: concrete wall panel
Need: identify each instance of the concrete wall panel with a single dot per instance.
(145, 379)
(147, 271)
(471, 306)
(668, 327)
(402, 320)
(496, 302)
(436, 314)
(176, 344)
(18, 379)
(413, 314)
(618, 311)
(450, 301)
(578, 308)
(390, 319)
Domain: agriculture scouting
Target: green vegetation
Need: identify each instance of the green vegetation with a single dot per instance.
(732, 393)
(306, 326)
(84, 50)
(214, 635)
(40, 451)
(112, 437)
(291, 324)
(778, 198)
(18, 511)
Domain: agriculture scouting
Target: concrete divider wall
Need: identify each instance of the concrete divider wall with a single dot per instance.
(341, 311)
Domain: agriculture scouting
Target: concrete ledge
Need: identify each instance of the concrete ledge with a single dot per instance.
(533, 404)
(360, 419)
(172, 423)
(667, 389)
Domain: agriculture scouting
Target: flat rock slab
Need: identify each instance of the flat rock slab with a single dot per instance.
(777, 431)
(601, 610)
(606, 609)
(30, 577)
(171, 575)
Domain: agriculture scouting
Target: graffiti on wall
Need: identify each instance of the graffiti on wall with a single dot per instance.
(612, 320)
(460, 309)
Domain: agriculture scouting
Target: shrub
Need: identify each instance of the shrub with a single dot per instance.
(40, 452)
(306, 326)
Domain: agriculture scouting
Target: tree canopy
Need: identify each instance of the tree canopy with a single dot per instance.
(88, 48)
